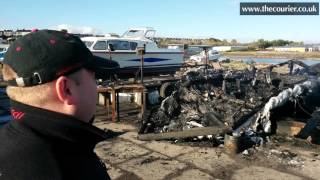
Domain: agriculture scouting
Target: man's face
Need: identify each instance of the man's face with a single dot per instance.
(86, 95)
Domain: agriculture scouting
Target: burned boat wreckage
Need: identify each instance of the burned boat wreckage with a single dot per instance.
(216, 104)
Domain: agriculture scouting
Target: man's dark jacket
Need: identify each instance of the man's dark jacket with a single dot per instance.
(41, 144)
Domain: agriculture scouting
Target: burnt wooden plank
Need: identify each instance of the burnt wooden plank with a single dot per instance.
(184, 134)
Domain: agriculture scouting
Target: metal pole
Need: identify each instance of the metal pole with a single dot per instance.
(206, 67)
(110, 48)
(141, 68)
(141, 51)
(185, 49)
(238, 85)
(110, 54)
(224, 86)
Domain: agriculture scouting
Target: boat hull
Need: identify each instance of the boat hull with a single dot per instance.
(154, 62)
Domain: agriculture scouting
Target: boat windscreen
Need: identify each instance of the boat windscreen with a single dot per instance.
(134, 33)
(88, 43)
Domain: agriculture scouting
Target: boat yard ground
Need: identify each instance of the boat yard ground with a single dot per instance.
(126, 157)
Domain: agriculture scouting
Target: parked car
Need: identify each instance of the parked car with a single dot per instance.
(3, 50)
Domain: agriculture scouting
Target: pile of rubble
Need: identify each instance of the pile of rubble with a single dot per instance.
(238, 103)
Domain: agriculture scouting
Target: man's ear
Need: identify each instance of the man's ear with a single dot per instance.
(64, 90)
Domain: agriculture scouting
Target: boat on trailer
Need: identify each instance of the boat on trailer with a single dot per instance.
(123, 49)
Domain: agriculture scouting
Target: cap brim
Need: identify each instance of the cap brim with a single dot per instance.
(103, 68)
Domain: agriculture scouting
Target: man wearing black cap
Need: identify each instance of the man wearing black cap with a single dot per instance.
(52, 87)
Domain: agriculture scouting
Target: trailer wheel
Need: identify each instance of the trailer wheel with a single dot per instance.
(166, 89)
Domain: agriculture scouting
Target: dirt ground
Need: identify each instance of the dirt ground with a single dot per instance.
(126, 157)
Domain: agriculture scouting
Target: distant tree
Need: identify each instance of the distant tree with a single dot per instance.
(300, 43)
(225, 42)
(280, 42)
(234, 42)
(213, 41)
(262, 44)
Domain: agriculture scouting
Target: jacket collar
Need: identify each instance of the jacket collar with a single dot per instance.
(56, 126)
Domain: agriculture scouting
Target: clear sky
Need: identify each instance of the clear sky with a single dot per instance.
(171, 18)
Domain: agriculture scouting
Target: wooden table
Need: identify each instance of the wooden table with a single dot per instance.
(114, 92)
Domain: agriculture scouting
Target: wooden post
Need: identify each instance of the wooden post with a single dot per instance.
(118, 106)
(290, 128)
(113, 106)
(144, 101)
(108, 106)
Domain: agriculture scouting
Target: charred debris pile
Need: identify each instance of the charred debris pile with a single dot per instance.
(214, 104)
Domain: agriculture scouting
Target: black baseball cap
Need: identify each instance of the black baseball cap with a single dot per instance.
(42, 56)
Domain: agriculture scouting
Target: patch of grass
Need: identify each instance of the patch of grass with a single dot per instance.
(274, 54)
(239, 65)
(235, 65)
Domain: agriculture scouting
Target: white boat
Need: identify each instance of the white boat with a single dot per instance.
(123, 50)
(201, 57)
